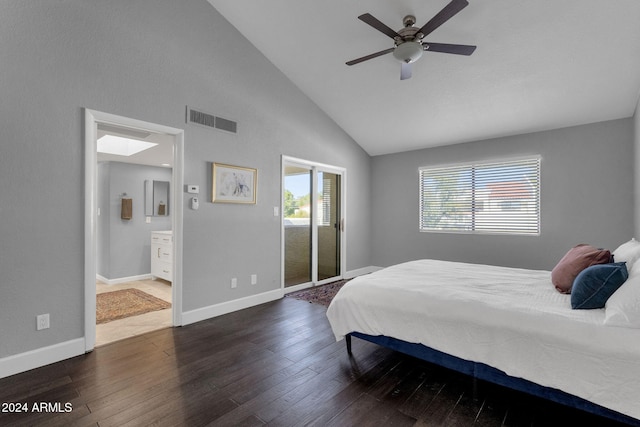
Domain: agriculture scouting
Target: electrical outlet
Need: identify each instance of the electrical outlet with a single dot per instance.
(42, 321)
(254, 279)
(234, 283)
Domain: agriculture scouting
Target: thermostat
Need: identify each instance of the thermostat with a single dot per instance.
(193, 189)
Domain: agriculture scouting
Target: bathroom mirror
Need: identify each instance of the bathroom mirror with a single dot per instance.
(156, 198)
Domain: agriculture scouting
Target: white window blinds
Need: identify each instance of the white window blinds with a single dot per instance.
(498, 197)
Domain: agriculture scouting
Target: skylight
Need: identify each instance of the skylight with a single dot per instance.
(111, 144)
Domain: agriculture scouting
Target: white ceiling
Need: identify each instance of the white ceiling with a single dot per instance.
(539, 65)
(161, 155)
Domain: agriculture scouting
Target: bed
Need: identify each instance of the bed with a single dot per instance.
(505, 325)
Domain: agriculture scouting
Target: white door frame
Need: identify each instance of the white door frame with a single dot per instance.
(315, 167)
(92, 118)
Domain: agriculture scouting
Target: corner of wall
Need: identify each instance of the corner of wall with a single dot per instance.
(636, 169)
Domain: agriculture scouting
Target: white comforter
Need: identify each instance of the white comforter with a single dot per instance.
(511, 319)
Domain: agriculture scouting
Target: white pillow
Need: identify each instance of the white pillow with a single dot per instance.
(628, 252)
(623, 307)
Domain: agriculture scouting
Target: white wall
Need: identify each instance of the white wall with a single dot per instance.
(586, 197)
(146, 60)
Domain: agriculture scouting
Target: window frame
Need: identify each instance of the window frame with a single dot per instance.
(533, 160)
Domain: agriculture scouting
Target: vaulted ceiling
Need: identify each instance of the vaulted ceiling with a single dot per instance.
(539, 65)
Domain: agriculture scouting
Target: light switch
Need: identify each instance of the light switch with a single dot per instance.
(193, 189)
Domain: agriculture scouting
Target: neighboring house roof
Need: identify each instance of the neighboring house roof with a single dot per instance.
(510, 190)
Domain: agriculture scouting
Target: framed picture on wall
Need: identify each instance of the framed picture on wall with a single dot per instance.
(233, 184)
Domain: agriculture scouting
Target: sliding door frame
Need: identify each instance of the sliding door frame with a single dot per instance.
(315, 167)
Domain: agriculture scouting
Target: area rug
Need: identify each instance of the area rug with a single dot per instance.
(126, 303)
(320, 294)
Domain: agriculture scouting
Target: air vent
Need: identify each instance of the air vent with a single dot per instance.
(211, 121)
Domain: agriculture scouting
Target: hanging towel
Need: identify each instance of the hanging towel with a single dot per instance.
(127, 209)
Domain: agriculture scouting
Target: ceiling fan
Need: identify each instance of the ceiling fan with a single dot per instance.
(408, 42)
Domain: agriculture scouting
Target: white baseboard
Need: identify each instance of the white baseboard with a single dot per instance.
(205, 313)
(361, 271)
(40, 357)
(123, 279)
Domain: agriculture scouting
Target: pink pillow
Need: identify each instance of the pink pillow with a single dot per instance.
(577, 259)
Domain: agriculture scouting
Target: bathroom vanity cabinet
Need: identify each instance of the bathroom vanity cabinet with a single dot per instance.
(162, 255)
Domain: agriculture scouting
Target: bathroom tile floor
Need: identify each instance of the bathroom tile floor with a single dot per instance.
(135, 325)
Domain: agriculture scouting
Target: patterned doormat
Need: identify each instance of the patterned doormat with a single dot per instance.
(320, 294)
(126, 303)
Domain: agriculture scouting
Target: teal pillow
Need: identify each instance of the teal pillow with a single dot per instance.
(594, 285)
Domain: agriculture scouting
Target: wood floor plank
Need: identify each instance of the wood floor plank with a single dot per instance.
(466, 411)
(297, 404)
(368, 411)
(196, 407)
(434, 381)
(266, 398)
(492, 413)
(443, 403)
(249, 387)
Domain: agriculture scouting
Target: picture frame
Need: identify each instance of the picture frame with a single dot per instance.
(233, 184)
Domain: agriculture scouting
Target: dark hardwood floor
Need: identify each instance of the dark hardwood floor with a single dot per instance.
(276, 364)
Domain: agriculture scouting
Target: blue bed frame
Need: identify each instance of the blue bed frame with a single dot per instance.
(488, 373)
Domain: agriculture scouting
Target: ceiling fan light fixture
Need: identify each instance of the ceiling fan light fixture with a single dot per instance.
(408, 52)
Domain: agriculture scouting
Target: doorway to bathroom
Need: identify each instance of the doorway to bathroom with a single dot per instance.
(133, 179)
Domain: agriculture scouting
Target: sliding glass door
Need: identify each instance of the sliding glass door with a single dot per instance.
(312, 220)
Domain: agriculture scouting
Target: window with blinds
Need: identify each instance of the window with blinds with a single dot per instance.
(325, 215)
(494, 198)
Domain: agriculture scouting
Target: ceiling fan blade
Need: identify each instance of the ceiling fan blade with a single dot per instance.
(375, 23)
(443, 16)
(371, 56)
(405, 71)
(458, 49)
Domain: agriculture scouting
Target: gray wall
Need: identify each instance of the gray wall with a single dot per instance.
(124, 246)
(636, 181)
(586, 196)
(146, 60)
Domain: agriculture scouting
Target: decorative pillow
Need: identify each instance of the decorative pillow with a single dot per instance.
(623, 308)
(628, 252)
(577, 259)
(594, 285)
